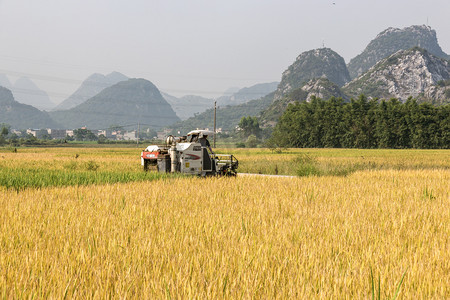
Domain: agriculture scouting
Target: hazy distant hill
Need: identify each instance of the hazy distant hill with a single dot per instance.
(227, 117)
(25, 91)
(390, 41)
(4, 82)
(248, 93)
(127, 102)
(93, 85)
(22, 116)
(414, 72)
(187, 106)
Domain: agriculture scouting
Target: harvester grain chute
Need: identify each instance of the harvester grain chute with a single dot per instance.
(190, 154)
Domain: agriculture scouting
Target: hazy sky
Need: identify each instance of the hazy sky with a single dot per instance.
(197, 47)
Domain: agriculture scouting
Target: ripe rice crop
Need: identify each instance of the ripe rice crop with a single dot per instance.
(337, 161)
(245, 237)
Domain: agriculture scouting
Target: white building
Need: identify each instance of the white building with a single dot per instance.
(130, 135)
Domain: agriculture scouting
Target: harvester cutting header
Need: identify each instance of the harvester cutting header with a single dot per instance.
(191, 154)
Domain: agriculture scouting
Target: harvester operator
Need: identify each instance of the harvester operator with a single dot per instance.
(203, 140)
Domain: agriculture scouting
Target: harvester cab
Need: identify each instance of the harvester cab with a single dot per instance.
(190, 154)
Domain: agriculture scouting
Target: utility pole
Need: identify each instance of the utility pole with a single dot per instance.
(137, 141)
(215, 108)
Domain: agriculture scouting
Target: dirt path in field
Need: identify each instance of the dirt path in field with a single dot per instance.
(264, 175)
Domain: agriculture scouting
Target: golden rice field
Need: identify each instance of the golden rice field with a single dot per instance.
(377, 227)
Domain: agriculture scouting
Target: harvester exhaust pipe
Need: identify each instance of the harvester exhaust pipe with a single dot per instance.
(173, 158)
(172, 152)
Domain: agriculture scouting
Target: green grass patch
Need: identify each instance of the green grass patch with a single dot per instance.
(22, 178)
(308, 165)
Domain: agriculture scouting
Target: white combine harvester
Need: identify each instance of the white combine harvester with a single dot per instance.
(189, 154)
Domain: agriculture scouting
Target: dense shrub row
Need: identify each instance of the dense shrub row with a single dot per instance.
(364, 123)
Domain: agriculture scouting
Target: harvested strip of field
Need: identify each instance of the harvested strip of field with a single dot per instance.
(265, 175)
(249, 237)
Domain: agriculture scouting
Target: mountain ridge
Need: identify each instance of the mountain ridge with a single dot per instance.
(246, 94)
(227, 116)
(133, 101)
(392, 40)
(189, 105)
(22, 116)
(90, 87)
(316, 63)
(25, 91)
(406, 73)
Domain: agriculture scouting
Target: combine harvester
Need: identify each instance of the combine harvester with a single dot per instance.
(191, 154)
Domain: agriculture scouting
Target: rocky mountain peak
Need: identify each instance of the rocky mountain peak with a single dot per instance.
(417, 29)
(115, 77)
(392, 40)
(414, 72)
(322, 88)
(318, 87)
(317, 63)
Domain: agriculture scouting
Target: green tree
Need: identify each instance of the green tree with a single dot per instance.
(333, 125)
(444, 125)
(315, 117)
(288, 131)
(30, 139)
(252, 141)
(102, 139)
(4, 132)
(84, 134)
(363, 124)
(386, 128)
(426, 130)
(360, 122)
(248, 126)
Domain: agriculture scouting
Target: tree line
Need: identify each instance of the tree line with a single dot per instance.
(363, 123)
